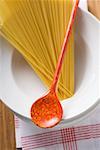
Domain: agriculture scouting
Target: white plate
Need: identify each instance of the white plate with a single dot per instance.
(20, 86)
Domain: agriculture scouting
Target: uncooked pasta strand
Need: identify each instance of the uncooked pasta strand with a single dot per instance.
(37, 29)
(37, 68)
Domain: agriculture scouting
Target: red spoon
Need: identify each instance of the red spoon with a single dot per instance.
(47, 111)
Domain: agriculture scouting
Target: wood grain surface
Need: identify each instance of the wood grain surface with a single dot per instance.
(7, 134)
(7, 128)
(94, 7)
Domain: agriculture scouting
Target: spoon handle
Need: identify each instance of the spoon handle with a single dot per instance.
(63, 50)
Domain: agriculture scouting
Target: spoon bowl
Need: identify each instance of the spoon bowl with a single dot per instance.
(47, 110)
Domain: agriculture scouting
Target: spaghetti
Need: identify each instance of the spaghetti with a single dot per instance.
(36, 28)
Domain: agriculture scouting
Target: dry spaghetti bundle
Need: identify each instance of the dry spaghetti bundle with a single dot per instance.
(36, 28)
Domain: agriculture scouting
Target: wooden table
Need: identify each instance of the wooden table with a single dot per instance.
(7, 128)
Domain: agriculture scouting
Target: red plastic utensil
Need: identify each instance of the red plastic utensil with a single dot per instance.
(47, 111)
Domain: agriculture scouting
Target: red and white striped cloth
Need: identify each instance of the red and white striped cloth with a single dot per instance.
(83, 136)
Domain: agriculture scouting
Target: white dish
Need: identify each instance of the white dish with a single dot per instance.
(20, 86)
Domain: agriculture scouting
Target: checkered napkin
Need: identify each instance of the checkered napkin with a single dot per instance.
(85, 135)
